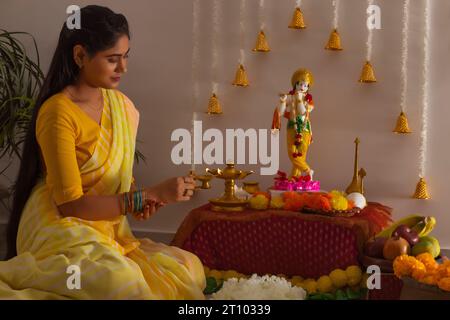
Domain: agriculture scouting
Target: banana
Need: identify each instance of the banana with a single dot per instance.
(425, 226)
(410, 221)
(430, 223)
(420, 226)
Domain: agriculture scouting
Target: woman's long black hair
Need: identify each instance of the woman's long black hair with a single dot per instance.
(100, 29)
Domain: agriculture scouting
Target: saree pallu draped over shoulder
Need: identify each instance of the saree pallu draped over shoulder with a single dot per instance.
(72, 258)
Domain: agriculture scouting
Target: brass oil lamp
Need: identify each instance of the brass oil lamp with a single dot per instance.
(204, 180)
(228, 201)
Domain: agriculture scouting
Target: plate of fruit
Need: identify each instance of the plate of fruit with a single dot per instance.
(407, 236)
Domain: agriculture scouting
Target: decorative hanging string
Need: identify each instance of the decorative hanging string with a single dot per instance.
(241, 78)
(421, 188)
(335, 13)
(402, 125)
(334, 41)
(368, 74)
(195, 65)
(298, 21)
(261, 42)
(214, 106)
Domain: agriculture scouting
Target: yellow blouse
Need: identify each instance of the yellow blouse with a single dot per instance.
(67, 137)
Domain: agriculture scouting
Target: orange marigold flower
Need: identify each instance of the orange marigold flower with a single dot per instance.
(444, 284)
(429, 279)
(351, 204)
(443, 270)
(289, 195)
(428, 260)
(419, 272)
(325, 203)
(294, 204)
(403, 265)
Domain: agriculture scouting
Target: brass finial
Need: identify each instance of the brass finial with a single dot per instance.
(357, 182)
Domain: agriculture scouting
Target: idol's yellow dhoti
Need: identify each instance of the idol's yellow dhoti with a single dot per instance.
(113, 264)
(299, 164)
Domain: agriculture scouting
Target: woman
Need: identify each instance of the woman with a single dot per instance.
(73, 192)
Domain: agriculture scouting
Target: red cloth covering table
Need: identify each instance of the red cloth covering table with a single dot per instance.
(277, 241)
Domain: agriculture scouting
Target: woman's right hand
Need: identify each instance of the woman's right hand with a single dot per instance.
(173, 190)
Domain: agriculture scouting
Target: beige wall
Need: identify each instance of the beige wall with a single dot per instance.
(159, 83)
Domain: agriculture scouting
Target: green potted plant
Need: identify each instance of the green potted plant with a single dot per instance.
(20, 81)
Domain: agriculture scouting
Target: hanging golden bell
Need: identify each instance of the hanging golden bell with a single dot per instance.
(214, 105)
(367, 74)
(241, 79)
(261, 43)
(297, 20)
(421, 190)
(402, 126)
(334, 42)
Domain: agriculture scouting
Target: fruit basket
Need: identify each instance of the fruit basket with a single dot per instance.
(385, 265)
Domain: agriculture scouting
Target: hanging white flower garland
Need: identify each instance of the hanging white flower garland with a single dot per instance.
(214, 106)
(335, 13)
(241, 79)
(421, 188)
(334, 41)
(402, 125)
(261, 41)
(368, 74)
(195, 65)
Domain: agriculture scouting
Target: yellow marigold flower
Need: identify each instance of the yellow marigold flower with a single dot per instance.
(339, 203)
(260, 202)
(277, 202)
(336, 193)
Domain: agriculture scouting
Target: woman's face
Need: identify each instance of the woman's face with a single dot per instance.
(106, 67)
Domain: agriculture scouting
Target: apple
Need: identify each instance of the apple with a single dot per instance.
(406, 233)
(374, 247)
(394, 247)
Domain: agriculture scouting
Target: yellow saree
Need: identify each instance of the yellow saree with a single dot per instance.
(109, 261)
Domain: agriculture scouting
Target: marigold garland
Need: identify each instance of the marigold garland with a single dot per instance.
(424, 269)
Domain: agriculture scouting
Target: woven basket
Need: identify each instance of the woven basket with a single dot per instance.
(333, 213)
(414, 290)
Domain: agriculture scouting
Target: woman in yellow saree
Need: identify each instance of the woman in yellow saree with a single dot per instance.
(69, 236)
